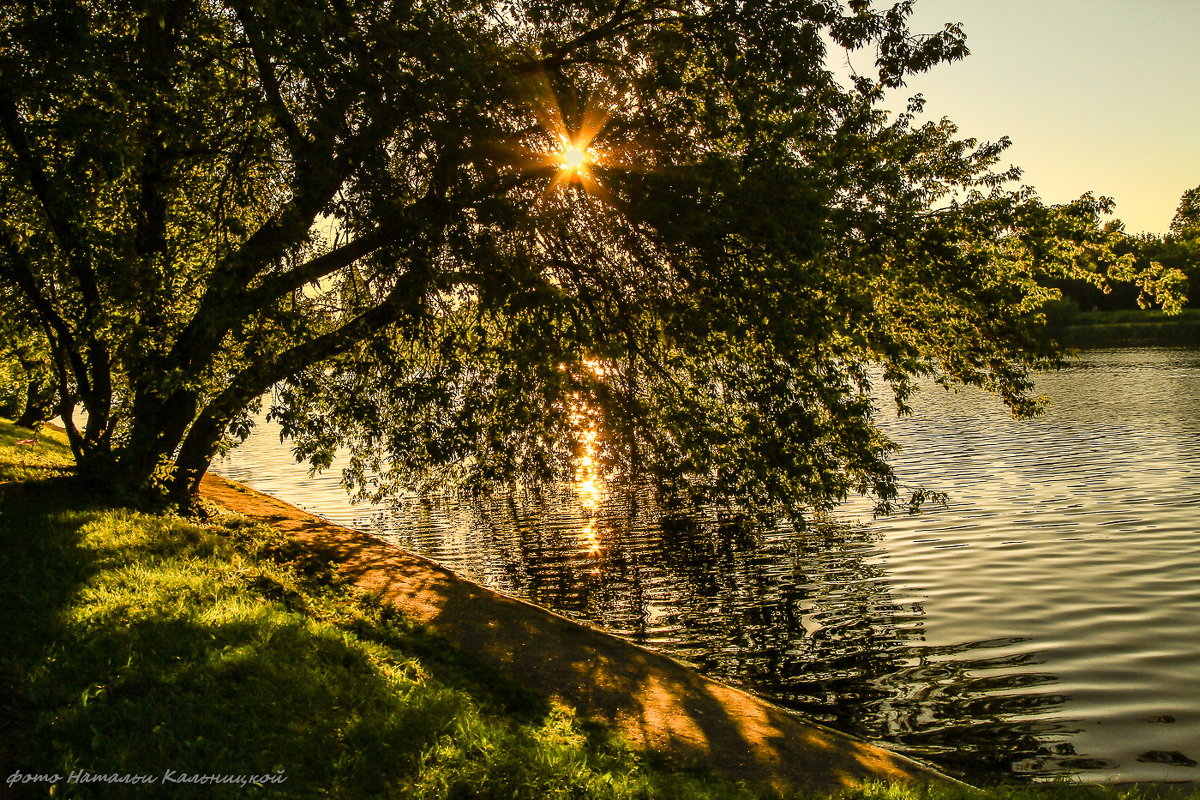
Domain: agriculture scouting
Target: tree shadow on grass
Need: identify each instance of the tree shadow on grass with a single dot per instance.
(251, 696)
(143, 655)
(43, 568)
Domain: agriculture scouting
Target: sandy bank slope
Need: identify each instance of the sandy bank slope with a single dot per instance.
(653, 701)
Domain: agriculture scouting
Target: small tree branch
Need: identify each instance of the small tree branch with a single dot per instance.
(16, 268)
(298, 143)
(53, 204)
(202, 439)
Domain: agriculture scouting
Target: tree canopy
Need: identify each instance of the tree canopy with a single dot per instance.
(373, 208)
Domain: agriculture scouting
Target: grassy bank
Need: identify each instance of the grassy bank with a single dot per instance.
(1115, 328)
(139, 644)
(149, 645)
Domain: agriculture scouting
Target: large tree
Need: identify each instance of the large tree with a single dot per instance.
(1180, 248)
(445, 229)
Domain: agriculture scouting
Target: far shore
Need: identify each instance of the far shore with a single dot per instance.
(1137, 327)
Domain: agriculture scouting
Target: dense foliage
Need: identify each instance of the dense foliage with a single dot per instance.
(360, 203)
(1173, 259)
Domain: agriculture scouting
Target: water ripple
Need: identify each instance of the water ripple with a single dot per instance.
(1043, 623)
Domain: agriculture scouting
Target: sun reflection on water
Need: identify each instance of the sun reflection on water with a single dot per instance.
(589, 483)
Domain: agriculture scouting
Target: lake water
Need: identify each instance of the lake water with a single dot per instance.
(1045, 622)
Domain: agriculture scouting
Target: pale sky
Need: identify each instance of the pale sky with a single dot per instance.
(1097, 95)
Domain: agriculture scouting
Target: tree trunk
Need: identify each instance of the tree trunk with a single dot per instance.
(195, 456)
(39, 404)
(141, 471)
(199, 447)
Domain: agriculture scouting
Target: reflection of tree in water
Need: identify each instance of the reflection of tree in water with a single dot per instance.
(810, 620)
(804, 616)
(972, 713)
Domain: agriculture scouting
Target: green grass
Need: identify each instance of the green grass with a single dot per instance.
(136, 644)
(47, 457)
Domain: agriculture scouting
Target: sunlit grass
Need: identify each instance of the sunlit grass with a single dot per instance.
(26, 455)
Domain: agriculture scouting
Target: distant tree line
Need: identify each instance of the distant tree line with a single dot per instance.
(1177, 250)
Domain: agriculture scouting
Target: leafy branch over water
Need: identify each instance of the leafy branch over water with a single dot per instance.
(365, 205)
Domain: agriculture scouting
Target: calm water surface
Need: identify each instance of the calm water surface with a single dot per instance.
(1047, 621)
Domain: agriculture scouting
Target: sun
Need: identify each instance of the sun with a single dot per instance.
(573, 158)
(568, 148)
